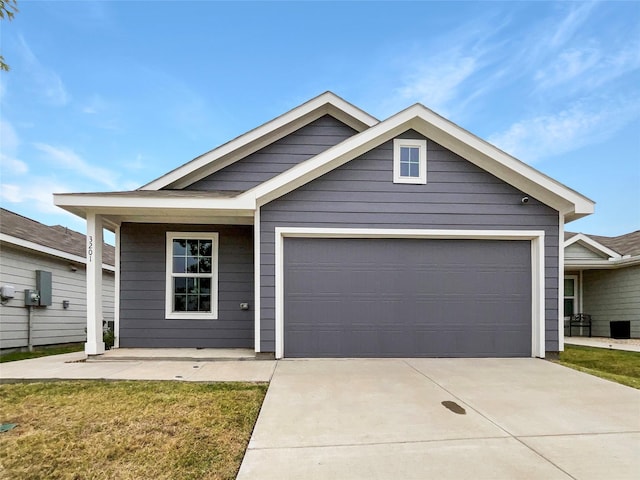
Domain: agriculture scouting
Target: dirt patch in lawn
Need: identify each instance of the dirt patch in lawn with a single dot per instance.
(126, 430)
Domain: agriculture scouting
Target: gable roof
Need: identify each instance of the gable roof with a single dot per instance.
(472, 148)
(623, 245)
(55, 240)
(254, 140)
(372, 133)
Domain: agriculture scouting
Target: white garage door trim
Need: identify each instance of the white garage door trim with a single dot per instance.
(537, 265)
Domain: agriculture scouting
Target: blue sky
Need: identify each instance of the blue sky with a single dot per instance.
(106, 96)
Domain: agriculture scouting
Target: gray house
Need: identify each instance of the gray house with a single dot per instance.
(602, 279)
(28, 248)
(328, 233)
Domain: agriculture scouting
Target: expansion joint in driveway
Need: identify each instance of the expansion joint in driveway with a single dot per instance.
(488, 419)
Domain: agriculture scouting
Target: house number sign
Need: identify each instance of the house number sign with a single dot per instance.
(90, 248)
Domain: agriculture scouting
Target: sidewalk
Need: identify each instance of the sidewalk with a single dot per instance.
(630, 345)
(75, 366)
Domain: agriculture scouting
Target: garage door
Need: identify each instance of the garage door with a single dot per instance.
(406, 298)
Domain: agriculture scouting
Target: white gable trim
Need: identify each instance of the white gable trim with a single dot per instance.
(592, 245)
(19, 242)
(530, 181)
(254, 140)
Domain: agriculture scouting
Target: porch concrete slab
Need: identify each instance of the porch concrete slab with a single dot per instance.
(490, 459)
(72, 366)
(186, 354)
(343, 402)
(528, 397)
(592, 457)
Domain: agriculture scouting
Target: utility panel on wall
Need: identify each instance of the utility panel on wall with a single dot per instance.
(43, 286)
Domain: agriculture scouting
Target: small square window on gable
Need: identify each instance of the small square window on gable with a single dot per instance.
(409, 161)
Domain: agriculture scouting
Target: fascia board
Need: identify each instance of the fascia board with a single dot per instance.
(262, 136)
(450, 136)
(610, 264)
(36, 247)
(592, 245)
(99, 202)
(502, 165)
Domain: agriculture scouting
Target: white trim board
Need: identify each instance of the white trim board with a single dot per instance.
(537, 266)
(592, 245)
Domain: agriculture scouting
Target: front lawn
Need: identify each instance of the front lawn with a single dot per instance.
(41, 352)
(617, 365)
(127, 429)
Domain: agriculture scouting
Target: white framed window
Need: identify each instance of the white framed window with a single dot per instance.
(192, 275)
(409, 161)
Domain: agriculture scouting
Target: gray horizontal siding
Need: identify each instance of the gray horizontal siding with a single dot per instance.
(575, 251)
(612, 295)
(53, 324)
(142, 290)
(281, 155)
(361, 194)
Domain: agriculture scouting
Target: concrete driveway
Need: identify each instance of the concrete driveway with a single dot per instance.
(384, 419)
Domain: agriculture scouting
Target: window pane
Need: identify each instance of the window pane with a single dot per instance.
(179, 303)
(192, 265)
(404, 169)
(414, 170)
(205, 285)
(568, 307)
(179, 247)
(180, 285)
(179, 265)
(192, 247)
(404, 154)
(205, 248)
(192, 285)
(414, 155)
(568, 287)
(192, 303)
(205, 265)
(205, 303)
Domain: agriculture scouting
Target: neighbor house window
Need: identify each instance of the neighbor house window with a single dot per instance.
(409, 161)
(192, 275)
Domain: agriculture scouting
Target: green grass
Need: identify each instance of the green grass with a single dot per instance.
(40, 352)
(616, 365)
(126, 430)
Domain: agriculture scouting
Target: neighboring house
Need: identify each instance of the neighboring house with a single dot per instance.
(27, 247)
(328, 233)
(602, 279)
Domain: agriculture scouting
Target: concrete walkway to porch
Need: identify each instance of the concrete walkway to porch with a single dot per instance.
(176, 354)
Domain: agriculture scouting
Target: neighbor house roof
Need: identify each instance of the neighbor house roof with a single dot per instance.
(55, 240)
(623, 250)
(126, 206)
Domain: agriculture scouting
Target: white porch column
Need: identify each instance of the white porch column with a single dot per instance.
(94, 345)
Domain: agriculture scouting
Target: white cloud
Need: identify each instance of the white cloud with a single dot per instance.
(47, 82)
(69, 160)
(581, 125)
(436, 83)
(8, 138)
(12, 166)
(38, 192)
(571, 23)
(570, 64)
